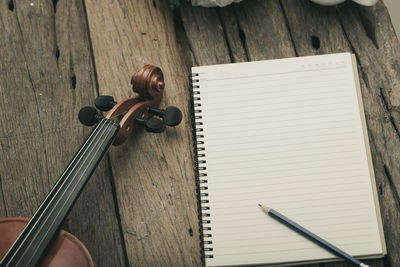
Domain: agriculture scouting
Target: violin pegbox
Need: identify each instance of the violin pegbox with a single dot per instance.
(149, 84)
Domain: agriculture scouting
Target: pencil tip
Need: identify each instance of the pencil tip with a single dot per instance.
(264, 208)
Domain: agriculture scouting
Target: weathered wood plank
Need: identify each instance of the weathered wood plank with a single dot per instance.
(264, 29)
(320, 33)
(302, 28)
(374, 41)
(153, 173)
(314, 29)
(46, 76)
(203, 29)
(234, 34)
(248, 28)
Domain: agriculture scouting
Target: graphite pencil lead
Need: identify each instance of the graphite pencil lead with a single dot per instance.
(265, 208)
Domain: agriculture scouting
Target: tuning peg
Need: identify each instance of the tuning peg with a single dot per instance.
(89, 116)
(153, 125)
(172, 116)
(104, 102)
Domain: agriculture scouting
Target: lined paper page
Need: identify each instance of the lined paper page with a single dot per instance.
(287, 134)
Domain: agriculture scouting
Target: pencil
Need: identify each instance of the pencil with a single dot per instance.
(313, 237)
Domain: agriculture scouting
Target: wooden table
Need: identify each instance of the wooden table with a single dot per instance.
(140, 206)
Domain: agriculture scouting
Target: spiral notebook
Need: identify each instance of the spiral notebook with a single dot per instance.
(290, 134)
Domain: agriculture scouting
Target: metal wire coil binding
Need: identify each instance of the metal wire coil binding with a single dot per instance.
(201, 174)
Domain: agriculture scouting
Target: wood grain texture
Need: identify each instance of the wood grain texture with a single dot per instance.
(264, 31)
(46, 76)
(332, 27)
(203, 29)
(234, 34)
(373, 40)
(276, 29)
(254, 30)
(153, 173)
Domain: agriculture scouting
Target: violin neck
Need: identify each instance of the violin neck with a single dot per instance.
(45, 223)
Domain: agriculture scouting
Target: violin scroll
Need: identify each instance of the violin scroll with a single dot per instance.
(148, 82)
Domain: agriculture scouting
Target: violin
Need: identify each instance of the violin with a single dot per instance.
(39, 241)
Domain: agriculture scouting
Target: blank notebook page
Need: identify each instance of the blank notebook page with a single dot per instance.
(288, 134)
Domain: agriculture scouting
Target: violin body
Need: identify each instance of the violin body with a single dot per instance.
(66, 250)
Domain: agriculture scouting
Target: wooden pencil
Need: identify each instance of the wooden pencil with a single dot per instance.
(311, 236)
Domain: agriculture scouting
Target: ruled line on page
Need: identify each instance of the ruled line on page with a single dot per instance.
(245, 171)
(312, 151)
(267, 93)
(257, 190)
(250, 204)
(254, 163)
(270, 231)
(250, 107)
(302, 142)
(280, 118)
(217, 85)
(264, 180)
(246, 120)
(266, 89)
(271, 137)
(342, 245)
(292, 208)
(258, 230)
(294, 74)
(362, 236)
(321, 195)
(263, 74)
(348, 211)
(360, 213)
(251, 136)
(248, 228)
(299, 205)
(303, 248)
(311, 79)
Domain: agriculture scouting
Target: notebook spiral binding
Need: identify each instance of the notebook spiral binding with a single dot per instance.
(201, 170)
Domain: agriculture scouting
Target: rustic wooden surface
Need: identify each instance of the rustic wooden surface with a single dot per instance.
(153, 173)
(256, 30)
(140, 206)
(46, 76)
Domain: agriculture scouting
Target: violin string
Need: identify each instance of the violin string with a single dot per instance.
(75, 184)
(53, 193)
(88, 143)
(103, 122)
